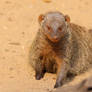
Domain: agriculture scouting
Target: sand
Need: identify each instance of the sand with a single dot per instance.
(18, 26)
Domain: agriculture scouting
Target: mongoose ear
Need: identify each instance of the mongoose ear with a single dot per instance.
(40, 18)
(67, 18)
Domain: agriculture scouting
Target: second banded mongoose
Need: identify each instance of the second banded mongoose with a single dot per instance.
(60, 46)
(83, 86)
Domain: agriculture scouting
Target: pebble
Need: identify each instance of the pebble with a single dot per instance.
(47, 1)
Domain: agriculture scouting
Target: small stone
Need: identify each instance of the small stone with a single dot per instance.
(47, 1)
(10, 68)
(6, 50)
(23, 33)
(14, 43)
(11, 77)
(3, 57)
(8, 2)
(10, 19)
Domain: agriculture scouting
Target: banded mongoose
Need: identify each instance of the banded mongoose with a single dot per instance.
(60, 46)
(83, 86)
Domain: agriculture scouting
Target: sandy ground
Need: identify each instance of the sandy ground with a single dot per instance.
(18, 26)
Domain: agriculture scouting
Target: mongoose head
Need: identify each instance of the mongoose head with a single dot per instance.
(54, 25)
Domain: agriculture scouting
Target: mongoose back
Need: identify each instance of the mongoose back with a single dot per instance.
(61, 47)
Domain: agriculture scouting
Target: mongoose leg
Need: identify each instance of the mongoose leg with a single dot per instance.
(61, 74)
(38, 63)
(40, 70)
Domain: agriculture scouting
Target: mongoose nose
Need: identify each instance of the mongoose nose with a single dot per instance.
(55, 37)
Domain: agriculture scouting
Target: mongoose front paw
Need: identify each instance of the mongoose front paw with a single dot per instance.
(58, 85)
(38, 76)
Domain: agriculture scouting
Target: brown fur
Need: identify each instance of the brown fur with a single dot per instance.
(60, 46)
(84, 86)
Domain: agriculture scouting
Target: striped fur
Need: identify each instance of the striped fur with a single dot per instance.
(72, 54)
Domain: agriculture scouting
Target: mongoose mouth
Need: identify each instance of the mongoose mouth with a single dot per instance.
(55, 40)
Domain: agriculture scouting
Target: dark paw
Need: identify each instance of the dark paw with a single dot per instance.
(38, 76)
(58, 85)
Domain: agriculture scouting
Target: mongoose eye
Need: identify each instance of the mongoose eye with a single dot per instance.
(48, 27)
(60, 28)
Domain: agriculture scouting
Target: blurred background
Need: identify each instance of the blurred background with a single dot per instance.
(18, 26)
